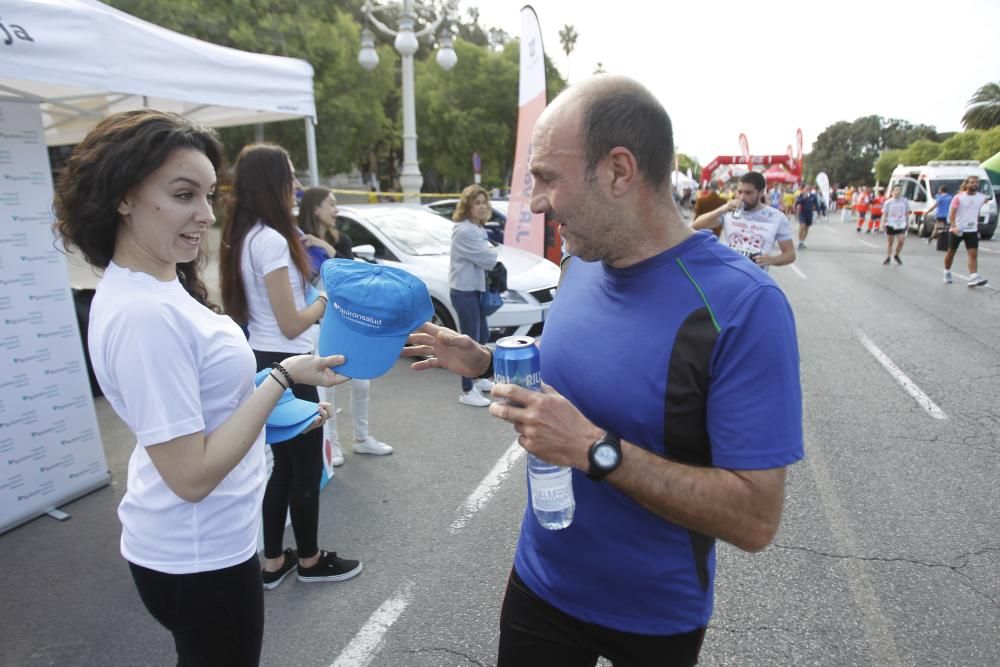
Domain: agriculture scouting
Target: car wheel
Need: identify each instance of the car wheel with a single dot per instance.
(442, 317)
(986, 236)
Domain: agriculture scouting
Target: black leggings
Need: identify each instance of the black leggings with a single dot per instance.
(294, 484)
(533, 633)
(216, 617)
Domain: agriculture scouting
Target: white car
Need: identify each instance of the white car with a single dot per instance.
(416, 240)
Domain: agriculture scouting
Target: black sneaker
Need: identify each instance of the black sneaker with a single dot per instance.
(330, 567)
(886, 262)
(898, 260)
(273, 579)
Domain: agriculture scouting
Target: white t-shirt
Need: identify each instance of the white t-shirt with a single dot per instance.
(966, 209)
(171, 367)
(756, 232)
(265, 250)
(894, 212)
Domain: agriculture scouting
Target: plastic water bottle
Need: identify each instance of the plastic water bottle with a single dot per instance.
(517, 361)
(551, 493)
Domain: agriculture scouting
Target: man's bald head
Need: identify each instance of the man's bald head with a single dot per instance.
(615, 111)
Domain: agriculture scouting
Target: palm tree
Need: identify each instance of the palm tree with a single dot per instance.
(567, 37)
(984, 108)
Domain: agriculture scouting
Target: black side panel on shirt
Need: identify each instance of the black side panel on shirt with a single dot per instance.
(685, 429)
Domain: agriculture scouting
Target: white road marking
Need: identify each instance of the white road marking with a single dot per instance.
(367, 643)
(870, 245)
(797, 271)
(922, 399)
(986, 249)
(364, 646)
(478, 498)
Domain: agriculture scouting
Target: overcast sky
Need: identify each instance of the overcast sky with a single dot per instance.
(721, 69)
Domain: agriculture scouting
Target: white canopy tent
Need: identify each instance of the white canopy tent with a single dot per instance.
(83, 60)
(680, 180)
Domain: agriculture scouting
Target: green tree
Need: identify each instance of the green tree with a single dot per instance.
(920, 152)
(847, 151)
(962, 146)
(472, 109)
(989, 144)
(984, 108)
(685, 162)
(887, 161)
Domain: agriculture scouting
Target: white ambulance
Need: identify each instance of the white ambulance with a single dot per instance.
(920, 185)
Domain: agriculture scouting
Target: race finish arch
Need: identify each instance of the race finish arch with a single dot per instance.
(790, 163)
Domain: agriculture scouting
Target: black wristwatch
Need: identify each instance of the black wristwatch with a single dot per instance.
(605, 456)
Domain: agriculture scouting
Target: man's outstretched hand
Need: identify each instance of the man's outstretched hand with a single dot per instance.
(441, 347)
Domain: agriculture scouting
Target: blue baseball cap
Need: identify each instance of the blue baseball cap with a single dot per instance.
(372, 310)
(276, 434)
(290, 416)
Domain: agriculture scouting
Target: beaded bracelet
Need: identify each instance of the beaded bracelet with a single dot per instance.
(276, 379)
(288, 376)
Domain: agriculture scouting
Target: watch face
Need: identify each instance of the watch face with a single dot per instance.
(606, 456)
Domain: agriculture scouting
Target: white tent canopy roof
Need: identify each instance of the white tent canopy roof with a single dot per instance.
(84, 60)
(681, 180)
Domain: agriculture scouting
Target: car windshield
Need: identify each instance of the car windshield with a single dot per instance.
(416, 232)
(955, 185)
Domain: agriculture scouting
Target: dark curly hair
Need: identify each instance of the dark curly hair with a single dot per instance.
(118, 154)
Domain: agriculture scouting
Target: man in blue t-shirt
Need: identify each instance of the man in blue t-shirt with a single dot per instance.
(805, 205)
(671, 376)
(943, 202)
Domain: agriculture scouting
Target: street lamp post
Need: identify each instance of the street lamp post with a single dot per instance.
(406, 44)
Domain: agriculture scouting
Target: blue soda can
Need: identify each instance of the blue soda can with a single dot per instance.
(517, 361)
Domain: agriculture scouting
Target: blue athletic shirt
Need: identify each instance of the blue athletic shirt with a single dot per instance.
(692, 355)
(943, 204)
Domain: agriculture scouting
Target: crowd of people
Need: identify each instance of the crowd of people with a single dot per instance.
(632, 578)
(957, 215)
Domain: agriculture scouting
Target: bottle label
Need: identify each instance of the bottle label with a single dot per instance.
(552, 493)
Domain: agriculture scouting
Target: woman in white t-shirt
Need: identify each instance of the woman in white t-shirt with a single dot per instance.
(264, 270)
(136, 199)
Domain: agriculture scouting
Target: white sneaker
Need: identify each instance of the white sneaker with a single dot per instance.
(371, 446)
(975, 280)
(473, 398)
(336, 453)
(484, 384)
(947, 277)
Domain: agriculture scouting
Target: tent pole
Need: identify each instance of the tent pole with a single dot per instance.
(311, 152)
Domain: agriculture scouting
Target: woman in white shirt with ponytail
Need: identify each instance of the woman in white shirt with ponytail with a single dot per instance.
(264, 270)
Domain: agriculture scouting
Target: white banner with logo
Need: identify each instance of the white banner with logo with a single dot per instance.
(50, 445)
